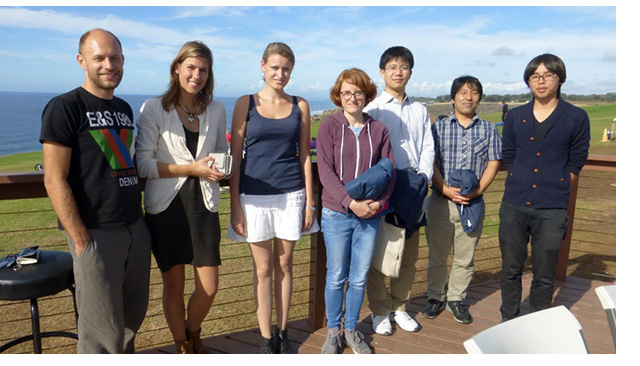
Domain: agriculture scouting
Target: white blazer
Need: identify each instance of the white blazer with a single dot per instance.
(161, 137)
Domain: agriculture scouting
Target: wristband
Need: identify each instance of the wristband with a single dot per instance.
(311, 208)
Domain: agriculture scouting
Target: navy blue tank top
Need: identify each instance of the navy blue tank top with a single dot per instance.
(270, 164)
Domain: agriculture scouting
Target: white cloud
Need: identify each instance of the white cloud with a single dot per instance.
(587, 13)
(504, 88)
(327, 40)
(207, 11)
(609, 56)
(503, 51)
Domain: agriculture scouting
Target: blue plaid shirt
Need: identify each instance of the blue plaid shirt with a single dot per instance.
(457, 147)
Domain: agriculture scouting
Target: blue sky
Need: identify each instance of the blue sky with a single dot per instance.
(493, 43)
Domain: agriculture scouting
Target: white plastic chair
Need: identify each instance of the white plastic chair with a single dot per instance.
(607, 296)
(553, 330)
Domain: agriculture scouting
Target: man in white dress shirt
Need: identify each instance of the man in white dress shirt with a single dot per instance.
(410, 131)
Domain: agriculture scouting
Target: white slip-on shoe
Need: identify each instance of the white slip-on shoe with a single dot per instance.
(405, 321)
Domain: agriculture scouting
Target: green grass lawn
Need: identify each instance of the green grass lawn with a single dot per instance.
(24, 162)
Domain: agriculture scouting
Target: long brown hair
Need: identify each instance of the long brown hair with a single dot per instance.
(204, 97)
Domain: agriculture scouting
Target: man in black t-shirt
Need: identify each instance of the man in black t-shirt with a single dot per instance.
(90, 176)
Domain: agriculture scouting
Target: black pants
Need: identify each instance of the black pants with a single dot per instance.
(546, 228)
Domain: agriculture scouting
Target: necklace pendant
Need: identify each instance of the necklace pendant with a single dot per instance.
(190, 115)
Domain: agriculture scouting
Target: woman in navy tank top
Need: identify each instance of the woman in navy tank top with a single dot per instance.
(271, 189)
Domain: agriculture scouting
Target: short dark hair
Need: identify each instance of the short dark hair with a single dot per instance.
(553, 63)
(461, 81)
(396, 52)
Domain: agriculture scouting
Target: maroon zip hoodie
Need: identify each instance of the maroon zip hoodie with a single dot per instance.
(342, 156)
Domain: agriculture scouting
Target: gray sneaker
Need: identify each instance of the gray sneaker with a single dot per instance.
(355, 340)
(333, 343)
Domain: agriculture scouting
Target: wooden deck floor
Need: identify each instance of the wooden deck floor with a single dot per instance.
(442, 335)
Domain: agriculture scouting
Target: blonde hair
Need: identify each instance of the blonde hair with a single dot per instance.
(204, 97)
(281, 49)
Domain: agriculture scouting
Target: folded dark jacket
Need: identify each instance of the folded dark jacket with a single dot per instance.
(371, 183)
(408, 195)
(470, 214)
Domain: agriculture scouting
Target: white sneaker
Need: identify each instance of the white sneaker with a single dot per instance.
(404, 321)
(381, 324)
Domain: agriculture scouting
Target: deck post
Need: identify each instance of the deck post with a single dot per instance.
(318, 270)
(565, 247)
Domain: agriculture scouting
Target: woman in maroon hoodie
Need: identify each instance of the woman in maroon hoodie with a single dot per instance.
(349, 143)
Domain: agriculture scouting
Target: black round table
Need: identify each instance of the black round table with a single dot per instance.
(52, 274)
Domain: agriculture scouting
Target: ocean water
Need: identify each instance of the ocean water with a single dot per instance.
(20, 117)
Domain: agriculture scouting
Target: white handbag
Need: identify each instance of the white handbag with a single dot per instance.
(223, 162)
(387, 256)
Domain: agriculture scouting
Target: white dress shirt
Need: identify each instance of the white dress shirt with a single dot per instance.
(409, 130)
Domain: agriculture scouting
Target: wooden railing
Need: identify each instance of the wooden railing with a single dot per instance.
(25, 185)
(598, 163)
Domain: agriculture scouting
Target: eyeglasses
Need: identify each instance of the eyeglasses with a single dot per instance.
(346, 95)
(394, 68)
(546, 76)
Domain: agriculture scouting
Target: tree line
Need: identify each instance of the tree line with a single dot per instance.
(524, 97)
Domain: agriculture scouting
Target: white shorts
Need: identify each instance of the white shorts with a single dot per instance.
(270, 216)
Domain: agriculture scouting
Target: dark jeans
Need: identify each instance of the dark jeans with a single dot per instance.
(546, 228)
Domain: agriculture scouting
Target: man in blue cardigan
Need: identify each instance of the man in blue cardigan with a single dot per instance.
(545, 144)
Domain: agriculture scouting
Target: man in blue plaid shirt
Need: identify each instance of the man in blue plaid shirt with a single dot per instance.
(467, 146)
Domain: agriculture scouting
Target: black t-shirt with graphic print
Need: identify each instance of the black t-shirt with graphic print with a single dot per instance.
(102, 173)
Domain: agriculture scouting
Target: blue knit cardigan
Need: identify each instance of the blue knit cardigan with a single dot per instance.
(539, 170)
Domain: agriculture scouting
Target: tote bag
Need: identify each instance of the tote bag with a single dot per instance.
(387, 255)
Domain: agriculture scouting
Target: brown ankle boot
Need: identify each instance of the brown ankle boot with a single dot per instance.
(184, 347)
(198, 346)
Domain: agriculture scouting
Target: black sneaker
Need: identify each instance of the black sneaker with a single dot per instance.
(433, 308)
(282, 342)
(460, 312)
(266, 346)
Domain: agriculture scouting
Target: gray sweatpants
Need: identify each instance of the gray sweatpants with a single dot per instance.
(112, 287)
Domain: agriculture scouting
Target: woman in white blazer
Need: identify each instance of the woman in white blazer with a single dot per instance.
(176, 133)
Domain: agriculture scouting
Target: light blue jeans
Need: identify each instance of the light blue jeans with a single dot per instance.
(350, 243)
